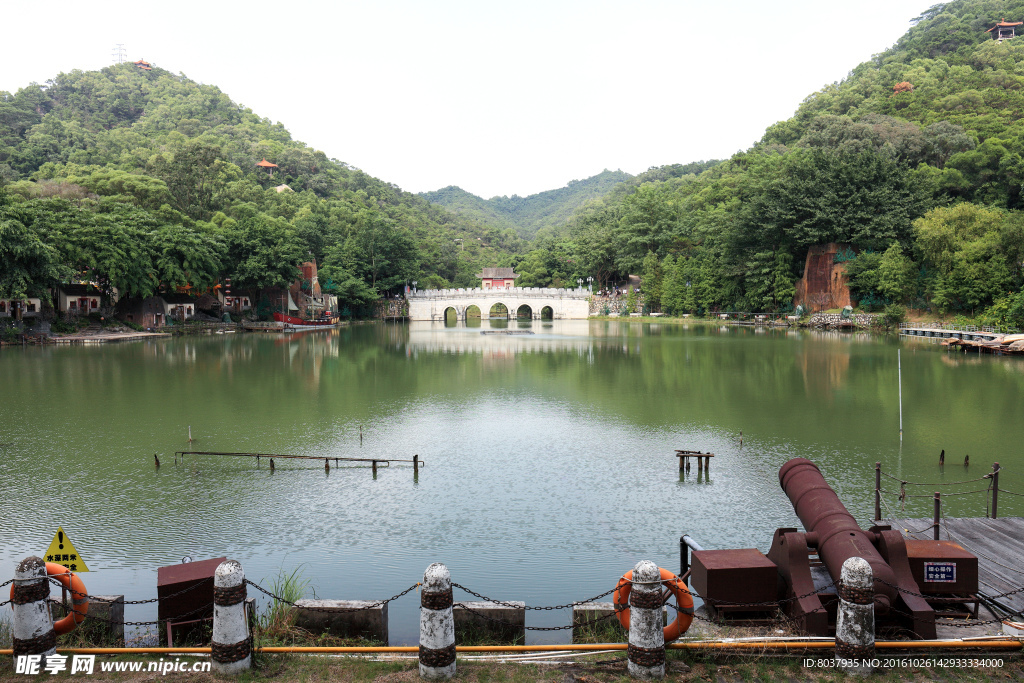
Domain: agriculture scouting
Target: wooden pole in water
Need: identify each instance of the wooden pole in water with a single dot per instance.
(942, 457)
(935, 516)
(190, 433)
(416, 464)
(899, 371)
(375, 468)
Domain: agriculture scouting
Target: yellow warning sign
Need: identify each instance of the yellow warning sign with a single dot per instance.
(62, 551)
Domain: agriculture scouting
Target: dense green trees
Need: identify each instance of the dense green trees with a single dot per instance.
(147, 181)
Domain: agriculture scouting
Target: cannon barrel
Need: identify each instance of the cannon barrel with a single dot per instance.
(839, 537)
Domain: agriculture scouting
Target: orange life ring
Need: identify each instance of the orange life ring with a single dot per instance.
(684, 601)
(79, 597)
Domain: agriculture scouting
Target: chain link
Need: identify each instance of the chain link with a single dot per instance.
(333, 610)
(552, 607)
(613, 614)
(80, 594)
(921, 595)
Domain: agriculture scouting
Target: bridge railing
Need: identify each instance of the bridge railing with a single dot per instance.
(476, 292)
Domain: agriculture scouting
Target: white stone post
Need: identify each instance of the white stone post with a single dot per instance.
(232, 644)
(646, 638)
(437, 626)
(855, 625)
(33, 625)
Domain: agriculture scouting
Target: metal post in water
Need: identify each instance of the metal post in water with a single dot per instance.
(899, 371)
(437, 624)
(231, 649)
(995, 489)
(855, 622)
(415, 465)
(374, 469)
(646, 651)
(935, 516)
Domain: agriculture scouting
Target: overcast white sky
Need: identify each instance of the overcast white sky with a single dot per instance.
(497, 98)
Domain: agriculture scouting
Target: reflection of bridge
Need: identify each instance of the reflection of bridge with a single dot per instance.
(529, 302)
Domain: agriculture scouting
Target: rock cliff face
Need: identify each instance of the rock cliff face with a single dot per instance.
(824, 284)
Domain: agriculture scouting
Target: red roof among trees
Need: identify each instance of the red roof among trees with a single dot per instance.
(266, 164)
(1004, 23)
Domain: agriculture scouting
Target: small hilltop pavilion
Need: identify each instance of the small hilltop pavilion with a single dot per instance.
(1004, 30)
(267, 165)
(497, 278)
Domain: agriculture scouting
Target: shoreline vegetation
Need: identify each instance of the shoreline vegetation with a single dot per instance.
(137, 179)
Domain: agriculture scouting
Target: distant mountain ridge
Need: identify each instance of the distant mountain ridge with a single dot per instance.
(527, 215)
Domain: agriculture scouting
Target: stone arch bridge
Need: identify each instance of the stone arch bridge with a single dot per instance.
(563, 304)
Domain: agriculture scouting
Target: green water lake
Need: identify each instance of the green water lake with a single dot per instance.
(550, 465)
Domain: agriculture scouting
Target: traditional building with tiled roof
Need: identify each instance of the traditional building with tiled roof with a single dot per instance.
(497, 278)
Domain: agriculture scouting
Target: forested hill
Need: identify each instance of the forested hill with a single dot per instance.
(147, 181)
(916, 159)
(527, 215)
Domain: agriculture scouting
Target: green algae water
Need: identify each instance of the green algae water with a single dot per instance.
(549, 457)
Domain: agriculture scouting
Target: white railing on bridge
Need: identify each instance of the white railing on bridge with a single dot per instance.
(477, 292)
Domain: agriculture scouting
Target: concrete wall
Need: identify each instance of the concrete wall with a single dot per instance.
(332, 618)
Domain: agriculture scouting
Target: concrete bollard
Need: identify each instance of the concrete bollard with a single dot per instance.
(232, 644)
(33, 626)
(646, 638)
(855, 624)
(437, 625)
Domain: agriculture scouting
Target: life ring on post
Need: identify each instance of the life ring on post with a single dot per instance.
(79, 597)
(684, 602)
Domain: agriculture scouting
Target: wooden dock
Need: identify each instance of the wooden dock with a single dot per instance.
(968, 333)
(998, 544)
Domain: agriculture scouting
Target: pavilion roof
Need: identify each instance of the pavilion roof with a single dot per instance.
(266, 164)
(1004, 23)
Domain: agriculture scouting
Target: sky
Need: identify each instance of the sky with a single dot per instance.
(498, 98)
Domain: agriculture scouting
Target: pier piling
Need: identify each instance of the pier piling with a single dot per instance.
(33, 632)
(232, 643)
(437, 624)
(646, 651)
(855, 622)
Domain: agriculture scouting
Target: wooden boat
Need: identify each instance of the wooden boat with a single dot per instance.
(294, 323)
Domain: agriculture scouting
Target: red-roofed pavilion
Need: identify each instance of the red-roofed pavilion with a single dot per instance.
(267, 165)
(1004, 30)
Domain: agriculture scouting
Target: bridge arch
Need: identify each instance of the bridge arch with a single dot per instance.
(524, 311)
(472, 311)
(499, 310)
(547, 313)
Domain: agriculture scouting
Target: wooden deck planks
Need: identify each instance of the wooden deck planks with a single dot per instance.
(998, 543)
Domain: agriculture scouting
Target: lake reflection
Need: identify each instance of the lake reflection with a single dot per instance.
(549, 457)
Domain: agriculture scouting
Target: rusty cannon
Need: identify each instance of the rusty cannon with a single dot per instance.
(833, 536)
